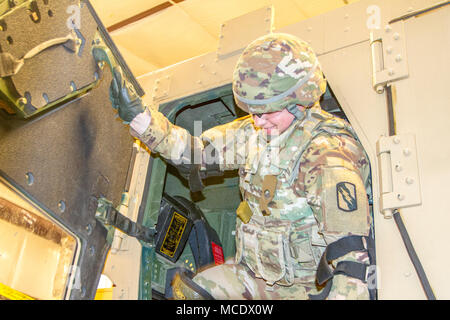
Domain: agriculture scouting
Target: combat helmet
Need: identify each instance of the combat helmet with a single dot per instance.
(277, 71)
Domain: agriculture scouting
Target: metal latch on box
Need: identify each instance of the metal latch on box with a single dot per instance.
(389, 59)
(399, 173)
(111, 217)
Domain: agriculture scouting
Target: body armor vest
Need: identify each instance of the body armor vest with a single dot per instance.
(283, 245)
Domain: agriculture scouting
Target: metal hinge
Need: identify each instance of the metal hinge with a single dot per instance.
(389, 59)
(111, 217)
(399, 173)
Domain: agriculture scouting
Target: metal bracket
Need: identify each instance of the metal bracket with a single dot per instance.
(389, 59)
(399, 173)
(111, 217)
(161, 88)
(249, 26)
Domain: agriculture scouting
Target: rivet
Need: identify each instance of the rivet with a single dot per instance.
(396, 36)
(267, 193)
(406, 152)
(30, 178)
(400, 197)
(398, 58)
(396, 140)
(89, 229)
(389, 50)
(391, 72)
(22, 101)
(62, 206)
(388, 28)
(409, 180)
(398, 167)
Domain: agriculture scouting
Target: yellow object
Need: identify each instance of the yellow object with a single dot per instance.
(104, 289)
(11, 294)
(104, 294)
(244, 212)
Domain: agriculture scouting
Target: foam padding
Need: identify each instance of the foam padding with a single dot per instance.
(48, 76)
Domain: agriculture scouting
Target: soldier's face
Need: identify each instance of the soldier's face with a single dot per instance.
(273, 123)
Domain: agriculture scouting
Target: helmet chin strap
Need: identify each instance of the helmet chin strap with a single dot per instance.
(293, 109)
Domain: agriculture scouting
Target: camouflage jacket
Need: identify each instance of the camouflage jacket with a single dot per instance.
(319, 194)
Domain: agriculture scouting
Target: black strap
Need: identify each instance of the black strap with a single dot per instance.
(335, 250)
(129, 227)
(186, 276)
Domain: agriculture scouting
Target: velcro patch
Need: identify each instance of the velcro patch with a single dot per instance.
(345, 208)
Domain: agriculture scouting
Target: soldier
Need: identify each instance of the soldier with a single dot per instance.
(305, 225)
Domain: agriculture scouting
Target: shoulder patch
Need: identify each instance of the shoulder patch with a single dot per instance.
(346, 196)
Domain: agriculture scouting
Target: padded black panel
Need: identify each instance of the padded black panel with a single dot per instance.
(75, 153)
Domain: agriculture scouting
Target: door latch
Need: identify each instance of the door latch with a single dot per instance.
(111, 217)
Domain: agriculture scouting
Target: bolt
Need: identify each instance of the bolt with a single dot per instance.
(396, 140)
(30, 178)
(400, 197)
(62, 206)
(22, 101)
(398, 167)
(89, 229)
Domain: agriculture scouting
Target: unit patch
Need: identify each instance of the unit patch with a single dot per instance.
(346, 196)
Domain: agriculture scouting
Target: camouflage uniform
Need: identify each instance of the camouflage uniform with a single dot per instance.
(308, 193)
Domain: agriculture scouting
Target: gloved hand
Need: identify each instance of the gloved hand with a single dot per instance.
(124, 98)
